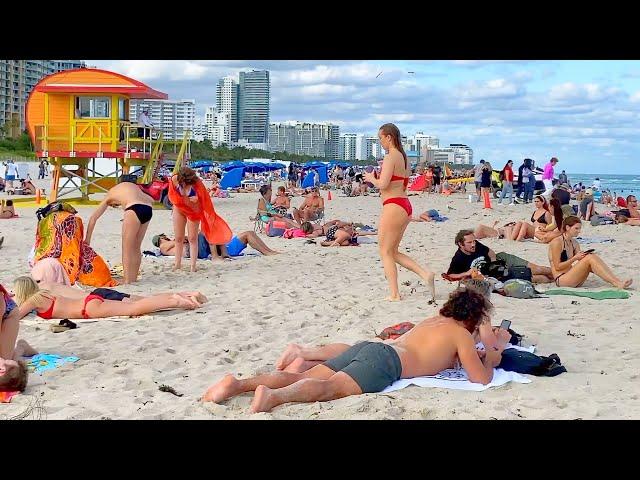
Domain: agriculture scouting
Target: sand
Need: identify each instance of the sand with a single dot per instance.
(313, 295)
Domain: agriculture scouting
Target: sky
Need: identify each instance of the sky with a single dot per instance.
(585, 113)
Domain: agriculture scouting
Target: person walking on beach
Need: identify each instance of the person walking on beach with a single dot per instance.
(193, 210)
(138, 211)
(507, 182)
(477, 178)
(547, 176)
(10, 174)
(396, 210)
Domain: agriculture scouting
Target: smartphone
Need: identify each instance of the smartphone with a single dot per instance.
(591, 250)
(505, 324)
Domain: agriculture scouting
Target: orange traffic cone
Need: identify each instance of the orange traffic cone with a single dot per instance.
(38, 199)
(329, 196)
(487, 200)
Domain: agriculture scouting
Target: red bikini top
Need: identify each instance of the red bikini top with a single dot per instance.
(404, 179)
(49, 313)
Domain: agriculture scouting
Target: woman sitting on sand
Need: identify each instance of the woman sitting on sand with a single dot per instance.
(540, 217)
(47, 305)
(267, 211)
(570, 266)
(545, 234)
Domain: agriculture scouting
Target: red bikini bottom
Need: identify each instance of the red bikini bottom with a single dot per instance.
(402, 201)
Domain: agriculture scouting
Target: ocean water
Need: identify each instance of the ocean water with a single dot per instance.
(623, 185)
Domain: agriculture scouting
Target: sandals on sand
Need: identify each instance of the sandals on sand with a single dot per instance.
(63, 326)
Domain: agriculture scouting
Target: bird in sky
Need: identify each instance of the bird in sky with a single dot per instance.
(378, 74)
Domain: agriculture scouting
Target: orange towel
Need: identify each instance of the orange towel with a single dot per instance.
(5, 397)
(61, 235)
(213, 226)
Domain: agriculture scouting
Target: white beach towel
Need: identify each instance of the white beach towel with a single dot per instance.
(457, 378)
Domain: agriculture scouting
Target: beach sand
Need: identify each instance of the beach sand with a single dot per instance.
(316, 295)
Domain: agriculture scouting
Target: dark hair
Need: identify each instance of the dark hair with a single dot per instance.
(628, 198)
(187, 176)
(15, 380)
(9, 203)
(306, 227)
(545, 205)
(264, 189)
(467, 305)
(391, 129)
(482, 161)
(461, 234)
(557, 211)
(620, 218)
(281, 188)
(570, 221)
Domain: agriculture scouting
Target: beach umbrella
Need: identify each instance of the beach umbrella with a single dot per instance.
(231, 165)
(253, 167)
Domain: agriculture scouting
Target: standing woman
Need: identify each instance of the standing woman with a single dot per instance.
(396, 210)
(507, 182)
(485, 179)
(193, 208)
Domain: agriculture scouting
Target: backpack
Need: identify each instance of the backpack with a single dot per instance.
(601, 220)
(57, 206)
(502, 273)
(518, 288)
(520, 361)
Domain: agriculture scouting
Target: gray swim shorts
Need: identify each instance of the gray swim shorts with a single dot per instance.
(372, 365)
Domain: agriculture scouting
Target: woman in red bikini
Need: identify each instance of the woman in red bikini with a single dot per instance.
(396, 210)
(30, 297)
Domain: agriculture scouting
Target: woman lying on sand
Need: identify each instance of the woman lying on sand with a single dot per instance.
(570, 266)
(338, 233)
(13, 372)
(47, 305)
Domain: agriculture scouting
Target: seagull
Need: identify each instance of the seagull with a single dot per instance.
(378, 74)
(411, 72)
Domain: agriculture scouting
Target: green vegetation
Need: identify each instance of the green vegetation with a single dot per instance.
(16, 147)
(205, 151)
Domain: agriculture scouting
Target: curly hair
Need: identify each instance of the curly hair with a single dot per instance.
(467, 305)
(15, 380)
(187, 176)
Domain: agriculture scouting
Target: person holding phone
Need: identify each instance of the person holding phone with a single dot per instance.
(396, 211)
(570, 266)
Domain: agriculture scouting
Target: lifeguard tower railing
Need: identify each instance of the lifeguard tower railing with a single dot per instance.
(88, 140)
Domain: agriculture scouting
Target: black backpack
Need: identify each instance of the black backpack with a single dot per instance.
(499, 270)
(514, 360)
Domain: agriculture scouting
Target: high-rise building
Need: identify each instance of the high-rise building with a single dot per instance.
(172, 117)
(253, 101)
(456, 154)
(373, 150)
(218, 126)
(462, 154)
(353, 146)
(17, 79)
(200, 130)
(227, 102)
(302, 138)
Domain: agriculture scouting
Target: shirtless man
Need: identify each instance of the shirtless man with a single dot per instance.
(310, 208)
(369, 367)
(632, 208)
(138, 210)
(281, 201)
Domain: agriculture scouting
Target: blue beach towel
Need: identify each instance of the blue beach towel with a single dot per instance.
(45, 361)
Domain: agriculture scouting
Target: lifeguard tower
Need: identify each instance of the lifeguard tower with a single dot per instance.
(77, 116)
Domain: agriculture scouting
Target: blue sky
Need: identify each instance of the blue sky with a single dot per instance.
(586, 113)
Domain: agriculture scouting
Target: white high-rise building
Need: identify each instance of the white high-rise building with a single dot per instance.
(353, 146)
(227, 102)
(200, 130)
(462, 154)
(172, 117)
(315, 139)
(455, 154)
(218, 126)
(373, 148)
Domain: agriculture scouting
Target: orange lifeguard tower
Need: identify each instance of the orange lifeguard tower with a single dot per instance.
(77, 116)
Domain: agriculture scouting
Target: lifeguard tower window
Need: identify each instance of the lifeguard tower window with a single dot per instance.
(123, 109)
(92, 107)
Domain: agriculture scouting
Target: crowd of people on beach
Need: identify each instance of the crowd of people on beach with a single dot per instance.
(308, 373)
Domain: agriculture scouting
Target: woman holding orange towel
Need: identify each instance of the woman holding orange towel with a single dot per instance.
(193, 209)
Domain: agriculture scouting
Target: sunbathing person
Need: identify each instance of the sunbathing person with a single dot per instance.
(235, 247)
(546, 233)
(30, 297)
(632, 222)
(631, 210)
(311, 208)
(541, 216)
(428, 216)
(570, 266)
(7, 210)
(471, 254)
(369, 367)
(13, 372)
(281, 203)
(312, 230)
(138, 211)
(485, 231)
(267, 211)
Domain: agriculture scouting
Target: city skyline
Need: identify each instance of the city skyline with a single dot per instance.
(583, 112)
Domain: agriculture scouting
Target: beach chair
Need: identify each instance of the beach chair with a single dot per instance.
(320, 218)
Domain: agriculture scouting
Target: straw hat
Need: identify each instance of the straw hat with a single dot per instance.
(588, 191)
